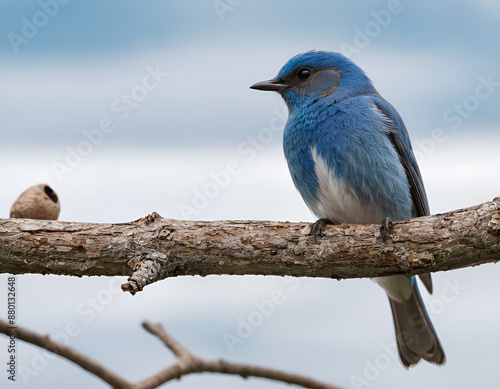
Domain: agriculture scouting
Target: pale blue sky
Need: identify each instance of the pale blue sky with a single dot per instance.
(427, 56)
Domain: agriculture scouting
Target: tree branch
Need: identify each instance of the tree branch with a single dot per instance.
(187, 363)
(153, 248)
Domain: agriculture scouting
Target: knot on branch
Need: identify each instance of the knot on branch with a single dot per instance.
(148, 270)
(152, 217)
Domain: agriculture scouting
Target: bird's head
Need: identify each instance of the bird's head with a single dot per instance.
(318, 76)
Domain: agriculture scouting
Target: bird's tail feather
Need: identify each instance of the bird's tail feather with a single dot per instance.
(415, 334)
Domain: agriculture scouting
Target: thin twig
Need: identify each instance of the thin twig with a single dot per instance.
(74, 356)
(187, 363)
(178, 349)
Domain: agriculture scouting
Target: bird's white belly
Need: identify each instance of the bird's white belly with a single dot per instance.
(337, 202)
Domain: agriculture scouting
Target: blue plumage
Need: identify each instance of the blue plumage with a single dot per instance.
(360, 153)
(350, 157)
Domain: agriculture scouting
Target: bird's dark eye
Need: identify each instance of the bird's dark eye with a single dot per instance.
(303, 73)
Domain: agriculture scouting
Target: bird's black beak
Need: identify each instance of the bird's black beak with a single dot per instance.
(272, 85)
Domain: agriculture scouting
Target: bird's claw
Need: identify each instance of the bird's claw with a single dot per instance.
(386, 229)
(317, 228)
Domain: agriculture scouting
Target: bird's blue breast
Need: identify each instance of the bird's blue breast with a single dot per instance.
(343, 163)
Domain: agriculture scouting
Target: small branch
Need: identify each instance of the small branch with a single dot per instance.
(187, 363)
(148, 271)
(153, 248)
(68, 353)
(177, 349)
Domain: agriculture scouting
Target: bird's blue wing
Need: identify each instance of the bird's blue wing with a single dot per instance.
(401, 142)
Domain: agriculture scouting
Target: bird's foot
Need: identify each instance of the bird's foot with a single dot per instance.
(386, 229)
(317, 227)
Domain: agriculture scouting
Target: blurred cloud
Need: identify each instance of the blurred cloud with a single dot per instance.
(90, 53)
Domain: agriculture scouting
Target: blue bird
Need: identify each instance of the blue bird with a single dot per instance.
(350, 157)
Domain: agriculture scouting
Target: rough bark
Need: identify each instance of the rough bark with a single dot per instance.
(153, 247)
